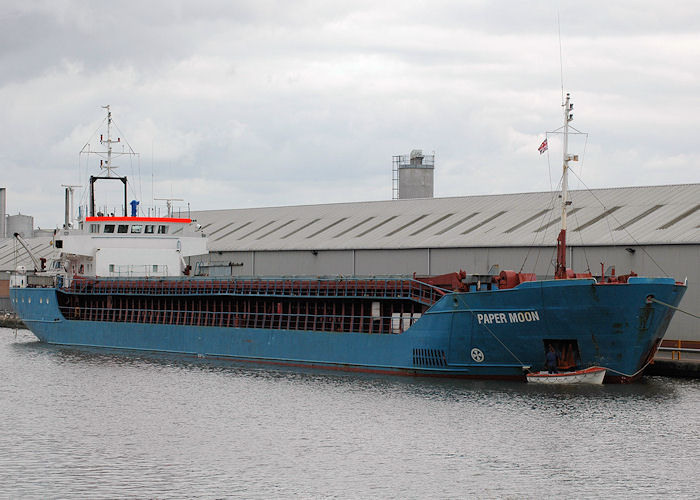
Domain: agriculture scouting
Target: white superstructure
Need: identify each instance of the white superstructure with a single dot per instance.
(127, 246)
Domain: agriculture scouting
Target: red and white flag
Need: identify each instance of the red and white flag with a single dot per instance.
(543, 147)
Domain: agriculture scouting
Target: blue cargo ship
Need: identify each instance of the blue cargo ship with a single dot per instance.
(123, 282)
(419, 329)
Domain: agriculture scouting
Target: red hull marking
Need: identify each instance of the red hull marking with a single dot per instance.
(137, 219)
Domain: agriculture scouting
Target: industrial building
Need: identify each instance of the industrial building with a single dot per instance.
(653, 231)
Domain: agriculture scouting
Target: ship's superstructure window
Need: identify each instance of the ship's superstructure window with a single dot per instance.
(109, 228)
(149, 228)
(136, 228)
(111, 268)
(155, 268)
(94, 228)
(123, 228)
(162, 229)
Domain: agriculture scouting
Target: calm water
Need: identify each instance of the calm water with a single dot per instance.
(81, 423)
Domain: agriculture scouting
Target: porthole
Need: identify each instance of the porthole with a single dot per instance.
(41, 301)
(29, 300)
(47, 300)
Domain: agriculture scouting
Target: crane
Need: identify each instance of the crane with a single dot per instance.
(39, 264)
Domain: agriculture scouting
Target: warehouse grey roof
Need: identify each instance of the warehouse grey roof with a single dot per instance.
(616, 216)
(651, 215)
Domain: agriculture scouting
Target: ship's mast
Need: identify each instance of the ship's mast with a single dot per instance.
(107, 165)
(560, 270)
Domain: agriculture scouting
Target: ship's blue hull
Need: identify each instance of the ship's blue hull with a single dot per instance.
(486, 334)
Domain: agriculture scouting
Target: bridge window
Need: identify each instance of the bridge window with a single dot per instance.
(162, 229)
(123, 228)
(109, 228)
(94, 228)
(136, 228)
(148, 229)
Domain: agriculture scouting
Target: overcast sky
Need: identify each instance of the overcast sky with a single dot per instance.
(237, 104)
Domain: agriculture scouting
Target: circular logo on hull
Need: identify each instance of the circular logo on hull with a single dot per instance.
(477, 355)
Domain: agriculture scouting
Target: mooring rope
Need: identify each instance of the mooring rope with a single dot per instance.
(652, 299)
(628, 375)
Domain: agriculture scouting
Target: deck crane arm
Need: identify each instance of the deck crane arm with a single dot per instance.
(38, 266)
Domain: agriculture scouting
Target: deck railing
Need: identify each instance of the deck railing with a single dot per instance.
(247, 319)
(275, 287)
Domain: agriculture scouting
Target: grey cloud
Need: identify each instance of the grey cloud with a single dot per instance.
(267, 103)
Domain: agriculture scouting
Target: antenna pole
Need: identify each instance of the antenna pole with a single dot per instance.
(560, 270)
(107, 165)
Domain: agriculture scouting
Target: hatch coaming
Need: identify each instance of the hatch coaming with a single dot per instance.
(369, 306)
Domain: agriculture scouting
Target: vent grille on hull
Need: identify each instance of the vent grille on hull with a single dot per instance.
(430, 358)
